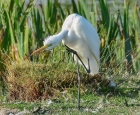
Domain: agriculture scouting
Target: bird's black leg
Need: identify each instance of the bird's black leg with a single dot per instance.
(79, 77)
(74, 52)
(79, 84)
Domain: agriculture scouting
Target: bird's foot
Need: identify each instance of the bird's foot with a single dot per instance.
(88, 70)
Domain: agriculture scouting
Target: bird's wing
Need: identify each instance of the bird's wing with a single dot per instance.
(87, 32)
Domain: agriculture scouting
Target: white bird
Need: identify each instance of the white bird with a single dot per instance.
(79, 35)
(82, 39)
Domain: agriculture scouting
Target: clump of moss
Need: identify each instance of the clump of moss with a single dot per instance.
(32, 81)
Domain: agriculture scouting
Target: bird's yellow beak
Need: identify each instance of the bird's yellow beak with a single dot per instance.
(41, 49)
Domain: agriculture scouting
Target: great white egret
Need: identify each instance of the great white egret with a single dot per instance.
(81, 38)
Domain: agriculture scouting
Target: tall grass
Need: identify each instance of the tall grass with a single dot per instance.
(22, 30)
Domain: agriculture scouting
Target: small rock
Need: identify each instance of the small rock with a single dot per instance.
(112, 84)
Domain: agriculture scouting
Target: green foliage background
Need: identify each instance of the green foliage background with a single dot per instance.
(23, 28)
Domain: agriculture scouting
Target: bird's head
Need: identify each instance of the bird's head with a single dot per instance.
(49, 43)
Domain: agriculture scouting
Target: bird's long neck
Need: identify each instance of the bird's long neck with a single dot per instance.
(56, 39)
(62, 34)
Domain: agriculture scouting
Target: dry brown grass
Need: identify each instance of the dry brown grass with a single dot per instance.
(32, 81)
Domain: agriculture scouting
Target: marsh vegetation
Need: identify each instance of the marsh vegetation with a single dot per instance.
(52, 75)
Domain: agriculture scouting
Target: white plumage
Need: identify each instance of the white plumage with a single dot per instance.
(79, 35)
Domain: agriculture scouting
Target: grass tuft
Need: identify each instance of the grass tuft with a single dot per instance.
(32, 81)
